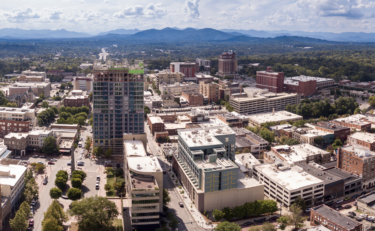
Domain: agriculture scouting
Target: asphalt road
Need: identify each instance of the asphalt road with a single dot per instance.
(186, 221)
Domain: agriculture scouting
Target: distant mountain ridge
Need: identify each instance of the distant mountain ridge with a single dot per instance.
(36, 34)
(120, 31)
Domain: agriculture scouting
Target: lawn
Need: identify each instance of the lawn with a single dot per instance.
(110, 180)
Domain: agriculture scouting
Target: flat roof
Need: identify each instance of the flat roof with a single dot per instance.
(144, 163)
(346, 176)
(292, 178)
(204, 137)
(17, 135)
(368, 198)
(277, 116)
(303, 78)
(134, 148)
(246, 182)
(155, 119)
(336, 217)
(280, 127)
(175, 126)
(243, 142)
(16, 110)
(364, 136)
(315, 132)
(326, 177)
(245, 161)
(30, 84)
(11, 174)
(359, 151)
(331, 126)
(298, 152)
(240, 131)
(353, 119)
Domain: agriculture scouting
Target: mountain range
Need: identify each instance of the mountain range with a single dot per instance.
(187, 34)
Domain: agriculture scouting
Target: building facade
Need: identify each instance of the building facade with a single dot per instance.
(354, 122)
(178, 88)
(165, 77)
(194, 99)
(227, 64)
(16, 120)
(364, 139)
(82, 83)
(210, 90)
(268, 79)
(77, 101)
(118, 105)
(340, 132)
(188, 69)
(307, 85)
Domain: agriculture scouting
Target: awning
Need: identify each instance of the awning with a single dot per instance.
(61, 150)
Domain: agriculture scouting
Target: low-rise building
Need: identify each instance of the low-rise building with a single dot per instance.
(253, 142)
(155, 123)
(364, 139)
(333, 220)
(277, 117)
(170, 101)
(284, 183)
(353, 122)
(359, 161)
(77, 101)
(352, 182)
(340, 132)
(308, 135)
(230, 120)
(17, 142)
(82, 83)
(145, 187)
(51, 103)
(167, 77)
(255, 100)
(154, 101)
(193, 98)
(178, 88)
(36, 87)
(210, 90)
(300, 153)
(12, 182)
(307, 85)
(36, 137)
(366, 203)
(246, 161)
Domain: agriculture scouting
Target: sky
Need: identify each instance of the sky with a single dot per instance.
(94, 16)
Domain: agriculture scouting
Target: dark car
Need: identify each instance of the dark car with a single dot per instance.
(274, 218)
(247, 223)
(347, 206)
(330, 203)
(108, 165)
(355, 196)
(69, 163)
(352, 213)
(180, 204)
(338, 206)
(45, 181)
(355, 203)
(260, 220)
(33, 203)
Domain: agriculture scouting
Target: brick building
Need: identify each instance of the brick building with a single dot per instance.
(359, 161)
(364, 139)
(230, 119)
(339, 131)
(194, 99)
(268, 79)
(307, 85)
(227, 64)
(156, 124)
(16, 120)
(188, 69)
(77, 101)
(354, 122)
(333, 220)
(210, 90)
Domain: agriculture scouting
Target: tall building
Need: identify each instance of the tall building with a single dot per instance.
(188, 69)
(205, 166)
(203, 63)
(117, 104)
(16, 120)
(268, 79)
(227, 64)
(210, 90)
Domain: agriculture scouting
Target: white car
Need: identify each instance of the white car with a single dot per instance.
(339, 201)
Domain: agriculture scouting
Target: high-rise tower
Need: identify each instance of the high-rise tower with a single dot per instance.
(118, 105)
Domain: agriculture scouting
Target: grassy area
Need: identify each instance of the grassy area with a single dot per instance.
(110, 180)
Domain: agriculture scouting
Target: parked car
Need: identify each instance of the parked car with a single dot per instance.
(35, 156)
(98, 178)
(31, 222)
(355, 203)
(248, 223)
(97, 186)
(18, 157)
(45, 181)
(358, 218)
(261, 220)
(50, 162)
(53, 160)
(347, 206)
(33, 203)
(181, 204)
(329, 203)
(69, 163)
(308, 210)
(274, 218)
(347, 198)
(350, 215)
(355, 196)
(40, 162)
(338, 206)
(339, 201)
(64, 197)
(32, 209)
(353, 213)
(42, 156)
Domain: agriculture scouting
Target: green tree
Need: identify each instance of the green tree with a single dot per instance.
(173, 223)
(268, 206)
(108, 153)
(267, 135)
(88, 144)
(51, 224)
(284, 221)
(94, 213)
(357, 111)
(146, 111)
(371, 101)
(54, 108)
(40, 167)
(20, 221)
(228, 213)
(45, 105)
(97, 151)
(227, 226)
(239, 211)
(74, 194)
(299, 123)
(107, 187)
(55, 193)
(246, 150)
(25, 207)
(319, 140)
(76, 182)
(296, 219)
(80, 174)
(80, 120)
(55, 212)
(166, 197)
(300, 202)
(31, 190)
(60, 182)
(268, 227)
(49, 145)
(63, 174)
(336, 144)
(11, 104)
(218, 214)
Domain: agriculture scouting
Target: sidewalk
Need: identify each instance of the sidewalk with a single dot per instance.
(39, 177)
(197, 216)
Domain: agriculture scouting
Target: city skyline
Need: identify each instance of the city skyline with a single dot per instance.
(102, 15)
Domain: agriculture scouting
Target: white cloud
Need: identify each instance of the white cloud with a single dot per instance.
(106, 1)
(81, 1)
(191, 8)
(150, 11)
(21, 14)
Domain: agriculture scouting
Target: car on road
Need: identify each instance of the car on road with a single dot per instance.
(53, 160)
(355, 196)
(308, 210)
(17, 157)
(329, 203)
(97, 178)
(347, 206)
(35, 156)
(346, 198)
(180, 204)
(32, 209)
(69, 163)
(274, 218)
(355, 204)
(45, 181)
(248, 223)
(40, 162)
(42, 156)
(352, 213)
(64, 197)
(50, 162)
(97, 186)
(31, 222)
(358, 218)
(338, 206)
(108, 165)
(80, 163)
(261, 220)
(339, 201)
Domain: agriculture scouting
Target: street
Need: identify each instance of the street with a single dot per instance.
(186, 221)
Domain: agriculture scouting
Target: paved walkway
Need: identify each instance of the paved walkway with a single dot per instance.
(198, 217)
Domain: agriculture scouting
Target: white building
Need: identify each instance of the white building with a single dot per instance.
(177, 88)
(12, 181)
(320, 82)
(284, 183)
(36, 137)
(85, 65)
(278, 117)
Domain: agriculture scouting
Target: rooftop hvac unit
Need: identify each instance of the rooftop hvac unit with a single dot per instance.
(212, 158)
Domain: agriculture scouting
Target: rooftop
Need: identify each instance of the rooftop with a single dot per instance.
(318, 228)
(143, 183)
(77, 97)
(359, 151)
(303, 78)
(204, 137)
(134, 148)
(245, 182)
(11, 174)
(353, 119)
(255, 137)
(144, 163)
(368, 198)
(17, 135)
(336, 217)
(315, 133)
(66, 143)
(155, 119)
(283, 176)
(243, 142)
(168, 126)
(277, 116)
(364, 136)
(16, 110)
(30, 84)
(326, 177)
(280, 127)
(297, 153)
(346, 176)
(330, 126)
(245, 161)
(240, 131)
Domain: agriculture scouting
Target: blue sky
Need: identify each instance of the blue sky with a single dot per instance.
(95, 16)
